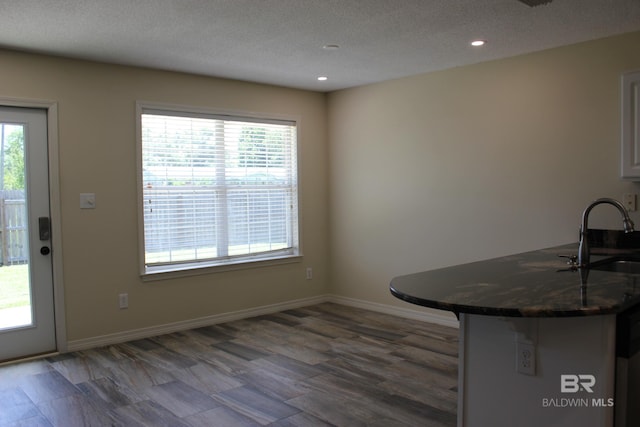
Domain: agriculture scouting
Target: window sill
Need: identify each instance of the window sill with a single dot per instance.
(173, 272)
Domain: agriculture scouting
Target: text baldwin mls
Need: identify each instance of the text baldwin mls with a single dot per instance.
(565, 402)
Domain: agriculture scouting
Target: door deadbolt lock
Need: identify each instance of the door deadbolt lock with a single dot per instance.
(44, 228)
(45, 250)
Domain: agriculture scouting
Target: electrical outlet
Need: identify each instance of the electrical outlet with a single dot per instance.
(630, 201)
(309, 273)
(525, 358)
(123, 300)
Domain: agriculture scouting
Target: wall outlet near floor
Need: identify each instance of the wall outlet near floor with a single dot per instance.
(309, 273)
(123, 300)
(525, 358)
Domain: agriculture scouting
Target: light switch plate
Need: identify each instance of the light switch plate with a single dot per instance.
(87, 201)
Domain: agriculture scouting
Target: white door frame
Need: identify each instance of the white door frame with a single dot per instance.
(54, 200)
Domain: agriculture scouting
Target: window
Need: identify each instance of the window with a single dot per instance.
(216, 189)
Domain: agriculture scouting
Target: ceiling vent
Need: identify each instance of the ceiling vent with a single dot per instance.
(534, 3)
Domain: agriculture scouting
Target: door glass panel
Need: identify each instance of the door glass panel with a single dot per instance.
(15, 288)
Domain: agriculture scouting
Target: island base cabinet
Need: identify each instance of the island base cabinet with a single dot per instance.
(573, 383)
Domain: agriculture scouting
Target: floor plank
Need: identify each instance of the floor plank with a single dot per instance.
(323, 365)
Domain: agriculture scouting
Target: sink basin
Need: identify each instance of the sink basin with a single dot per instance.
(617, 265)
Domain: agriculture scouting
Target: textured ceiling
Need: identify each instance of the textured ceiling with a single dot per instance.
(280, 41)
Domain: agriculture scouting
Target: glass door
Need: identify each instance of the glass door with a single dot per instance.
(26, 279)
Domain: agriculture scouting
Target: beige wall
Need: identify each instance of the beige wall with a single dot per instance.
(398, 177)
(97, 146)
(473, 162)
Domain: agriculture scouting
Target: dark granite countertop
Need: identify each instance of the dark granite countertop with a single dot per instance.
(524, 285)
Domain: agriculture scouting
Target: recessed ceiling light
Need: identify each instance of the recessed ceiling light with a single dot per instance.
(331, 47)
(478, 43)
(323, 78)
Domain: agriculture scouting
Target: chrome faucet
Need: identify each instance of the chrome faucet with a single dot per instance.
(584, 251)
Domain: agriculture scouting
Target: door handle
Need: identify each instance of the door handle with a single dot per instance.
(44, 228)
(45, 250)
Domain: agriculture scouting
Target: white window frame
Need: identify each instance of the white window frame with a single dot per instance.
(195, 268)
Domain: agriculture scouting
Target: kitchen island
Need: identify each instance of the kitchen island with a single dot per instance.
(537, 338)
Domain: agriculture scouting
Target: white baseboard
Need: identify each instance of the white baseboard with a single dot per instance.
(425, 316)
(152, 331)
(135, 334)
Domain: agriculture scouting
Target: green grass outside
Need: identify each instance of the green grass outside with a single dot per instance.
(14, 286)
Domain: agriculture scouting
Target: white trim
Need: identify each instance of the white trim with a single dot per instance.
(424, 316)
(54, 208)
(630, 131)
(134, 334)
(152, 331)
(196, 270)
(139, 184)
(208, 110)
(170, 271)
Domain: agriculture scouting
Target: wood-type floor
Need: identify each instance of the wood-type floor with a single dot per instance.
(323, 365)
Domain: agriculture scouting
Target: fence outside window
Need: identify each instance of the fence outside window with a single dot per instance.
(184, 219)
(13, 228)
(217, 189)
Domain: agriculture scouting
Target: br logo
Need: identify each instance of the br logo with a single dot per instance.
(574, 383)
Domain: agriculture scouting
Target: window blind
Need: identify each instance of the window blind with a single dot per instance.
(217, 189)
